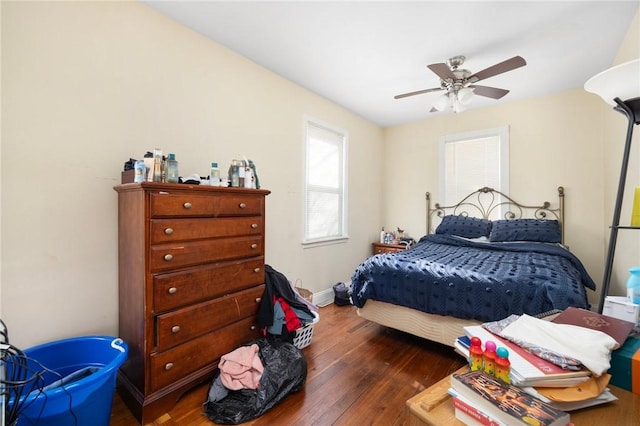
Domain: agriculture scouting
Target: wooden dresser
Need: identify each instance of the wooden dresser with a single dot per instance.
(191, 275)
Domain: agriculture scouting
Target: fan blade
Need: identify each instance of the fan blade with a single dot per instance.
(504, 66)
(489, 92)
(442, 71)
(419, 92)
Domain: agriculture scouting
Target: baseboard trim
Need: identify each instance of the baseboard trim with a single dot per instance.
(323, 298)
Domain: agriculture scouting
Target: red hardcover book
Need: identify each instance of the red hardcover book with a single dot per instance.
(506, 403)
(614, 327)
(470, 415)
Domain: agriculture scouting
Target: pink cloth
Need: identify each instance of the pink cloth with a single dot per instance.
(241, 368)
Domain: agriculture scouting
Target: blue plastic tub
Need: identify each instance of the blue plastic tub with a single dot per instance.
(82, 401)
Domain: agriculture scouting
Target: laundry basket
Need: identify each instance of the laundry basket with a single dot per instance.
(76, 381)
(303, 336)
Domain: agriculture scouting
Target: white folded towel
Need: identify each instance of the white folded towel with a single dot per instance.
(591, 347)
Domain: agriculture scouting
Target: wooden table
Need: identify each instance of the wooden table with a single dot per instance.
(433, 407)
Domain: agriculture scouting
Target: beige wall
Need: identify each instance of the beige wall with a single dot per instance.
(87, 85)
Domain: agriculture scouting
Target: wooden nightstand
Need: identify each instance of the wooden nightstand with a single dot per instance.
(387, 248)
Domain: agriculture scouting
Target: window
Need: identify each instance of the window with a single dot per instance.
(469, 161)
(325, 183)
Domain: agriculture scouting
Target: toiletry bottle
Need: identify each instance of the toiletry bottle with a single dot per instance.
(140, 171)
(503, 366)
(248, 177)
(475, 354)
(633, 285)
(241, 173)
(157, 165)
(489, 358)
(214, 177)
(234, 175)
(172, 169)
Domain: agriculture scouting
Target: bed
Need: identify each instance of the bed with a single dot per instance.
(483, 258)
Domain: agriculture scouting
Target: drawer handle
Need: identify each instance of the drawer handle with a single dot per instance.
(258, 299)
(175, 329)
(256, 270)
(168, 257)
(168, 366)
(187, 205)
(242, 205)
(173, 290)
(253, 328)
(254, 245)
(254, 225)
(168, 231)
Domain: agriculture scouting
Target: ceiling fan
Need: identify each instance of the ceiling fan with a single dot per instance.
(459, 84)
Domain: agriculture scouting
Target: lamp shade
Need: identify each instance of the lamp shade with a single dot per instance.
(465, 95)
(442, 102)
(621, 81)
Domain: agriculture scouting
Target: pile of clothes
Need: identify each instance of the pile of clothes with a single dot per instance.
(252, 379)
(282, 309)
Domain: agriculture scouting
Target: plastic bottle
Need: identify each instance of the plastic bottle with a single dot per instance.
(503, 366)
(489, 358)
(248, 177)
(157, 165)
(214, 177)
(475, 354)
(633, 285)
(382, 235)
(234, 175)
(172, 169)
(241, 172)
(140, 171)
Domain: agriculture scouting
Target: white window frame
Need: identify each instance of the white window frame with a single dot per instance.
(340, 190)
(501, 132)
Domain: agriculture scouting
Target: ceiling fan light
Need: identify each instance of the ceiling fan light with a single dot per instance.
(457, 106)
(442, 102)
(465, 95)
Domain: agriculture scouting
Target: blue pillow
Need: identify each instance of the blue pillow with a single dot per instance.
(538, 230)
(464, 226)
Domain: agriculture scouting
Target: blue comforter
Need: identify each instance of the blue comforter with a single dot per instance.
(485, 281)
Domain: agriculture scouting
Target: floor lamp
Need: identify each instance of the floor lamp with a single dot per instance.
(618, 86)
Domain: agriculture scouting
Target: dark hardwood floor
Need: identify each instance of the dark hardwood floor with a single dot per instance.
(359, 373)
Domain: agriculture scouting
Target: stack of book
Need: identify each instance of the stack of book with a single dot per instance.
(480, 399)
(534, 374)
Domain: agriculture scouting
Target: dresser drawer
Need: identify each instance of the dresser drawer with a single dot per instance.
(186, 204)
(171, 256)
(169, 366)
(181, 229)
(175, 289)
(184, 324)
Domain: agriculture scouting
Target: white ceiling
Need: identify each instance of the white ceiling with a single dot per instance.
(360, 54)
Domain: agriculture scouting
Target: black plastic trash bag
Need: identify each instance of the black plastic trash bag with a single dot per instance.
(285, 372)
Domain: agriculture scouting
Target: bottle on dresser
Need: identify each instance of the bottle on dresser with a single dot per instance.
(214, 177)
(172, 169)
(157, 165)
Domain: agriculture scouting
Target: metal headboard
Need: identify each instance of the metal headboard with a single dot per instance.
(483, 202)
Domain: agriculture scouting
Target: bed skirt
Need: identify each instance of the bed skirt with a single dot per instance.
(437, 328)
